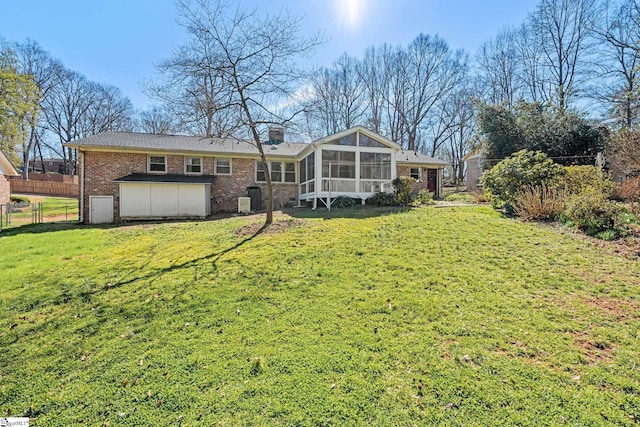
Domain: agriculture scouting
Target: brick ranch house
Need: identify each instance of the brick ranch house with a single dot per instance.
(133, 175)
(6, 169)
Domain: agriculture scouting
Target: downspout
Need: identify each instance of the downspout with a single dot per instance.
(81, 155)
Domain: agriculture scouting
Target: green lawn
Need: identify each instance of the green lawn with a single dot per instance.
(434, 316)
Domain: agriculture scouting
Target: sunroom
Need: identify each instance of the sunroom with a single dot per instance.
(356, 163)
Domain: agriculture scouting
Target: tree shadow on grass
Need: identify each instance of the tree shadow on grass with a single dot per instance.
(212, 257)
(355, 212)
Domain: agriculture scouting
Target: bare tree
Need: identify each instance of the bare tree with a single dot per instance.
(76, 107)
(619, 34)
(189, 85)
(252, 58)
(459, 140)
(34, 61)
(498, 71)
(338, 94)
(533, 76)
(563, 29)
(375, 83)
(429, 73)
(109, 111)
(157, 120)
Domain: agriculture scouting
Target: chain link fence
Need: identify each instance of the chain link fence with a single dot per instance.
(49, 210)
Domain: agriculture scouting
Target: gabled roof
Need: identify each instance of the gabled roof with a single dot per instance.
(131, 141)
(361, 129)
(6, 168)
(476, 152)
(412, 157)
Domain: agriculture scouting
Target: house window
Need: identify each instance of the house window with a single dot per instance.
(260, 176)
(193, 165)
(158, 164)
(223, 167)
(280, 172)
(289, 172)
(415, 173)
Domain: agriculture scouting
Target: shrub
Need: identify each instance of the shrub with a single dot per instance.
(402, 186)
(19, 199)
(539, 203)
(480, 196)
(382, 199)
(592, 213)
(523, 169)
(580, 178)
(341, 202)
(424, 197)
(629, 190)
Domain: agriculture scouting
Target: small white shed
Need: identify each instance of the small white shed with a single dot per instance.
(165, 196)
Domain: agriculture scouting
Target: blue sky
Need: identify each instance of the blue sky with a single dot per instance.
(117, 41)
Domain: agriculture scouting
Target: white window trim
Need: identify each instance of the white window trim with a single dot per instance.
(282, 171)
(149, 163)
(419, 178)
(215, 166)
(185, 165)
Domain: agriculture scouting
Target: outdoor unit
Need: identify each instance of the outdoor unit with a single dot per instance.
(244, 204)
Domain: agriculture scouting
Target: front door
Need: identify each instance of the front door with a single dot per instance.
(432, 180)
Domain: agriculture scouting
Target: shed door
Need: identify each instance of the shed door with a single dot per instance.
(100, 209)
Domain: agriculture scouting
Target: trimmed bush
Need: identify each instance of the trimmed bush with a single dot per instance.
(580, 178)
(539, 203)
(402, 186)
(341, 202)
(592, 213)
(424, 197)
(19, 199)
(504, 182)
(382, 199)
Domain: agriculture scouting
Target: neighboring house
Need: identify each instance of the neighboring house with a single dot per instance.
(473, 169)
(47, 165)
(133, 175)
(6, 169)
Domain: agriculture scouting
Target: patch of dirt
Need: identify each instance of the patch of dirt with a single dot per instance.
(628, 247)
(594, 351)
(273, 228)
(621, 309)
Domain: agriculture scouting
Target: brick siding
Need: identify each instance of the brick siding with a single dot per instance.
(227, 188)
(418, 185)
(101, 168)
(5, 190)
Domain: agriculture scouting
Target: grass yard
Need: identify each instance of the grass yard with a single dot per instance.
(450, 316)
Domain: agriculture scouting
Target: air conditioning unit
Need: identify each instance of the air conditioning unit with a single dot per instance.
(244, 204)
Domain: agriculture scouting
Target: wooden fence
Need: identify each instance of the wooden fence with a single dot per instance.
(44, 187)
